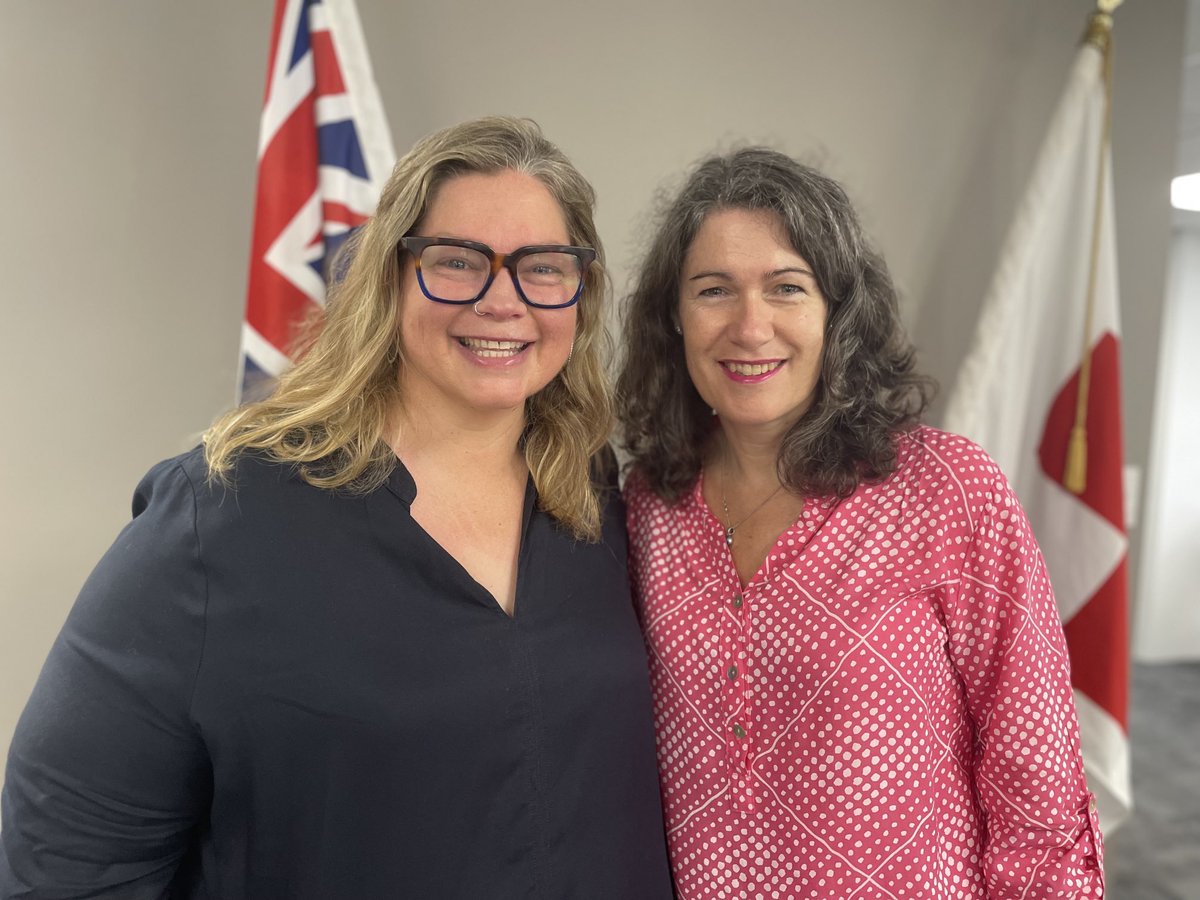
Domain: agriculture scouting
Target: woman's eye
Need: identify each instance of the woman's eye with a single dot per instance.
(454, 263)
(790, 289)
(712, 292)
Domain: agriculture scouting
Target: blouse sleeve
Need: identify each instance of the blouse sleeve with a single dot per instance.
(1043, 838)
(107, 776)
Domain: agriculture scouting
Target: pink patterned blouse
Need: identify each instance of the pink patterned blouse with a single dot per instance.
(884, 711)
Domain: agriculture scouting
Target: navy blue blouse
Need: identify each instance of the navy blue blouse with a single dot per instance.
(277, 691)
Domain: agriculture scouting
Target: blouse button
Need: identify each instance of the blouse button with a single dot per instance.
(737, 601)
(732, 673)
(738, 731)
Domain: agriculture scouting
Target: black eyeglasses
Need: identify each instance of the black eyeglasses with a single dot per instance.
(452, 271)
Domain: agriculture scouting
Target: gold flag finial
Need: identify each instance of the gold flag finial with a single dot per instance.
(1099, 26)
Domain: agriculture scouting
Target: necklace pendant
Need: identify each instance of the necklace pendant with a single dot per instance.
(729, 537)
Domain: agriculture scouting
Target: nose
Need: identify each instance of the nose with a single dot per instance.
(753, 321)
(501, 298)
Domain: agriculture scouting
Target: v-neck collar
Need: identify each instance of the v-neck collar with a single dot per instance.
(401, 484)
(791, 542)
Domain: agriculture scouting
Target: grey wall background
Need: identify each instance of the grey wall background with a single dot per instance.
(1167, 627)
(127, 138)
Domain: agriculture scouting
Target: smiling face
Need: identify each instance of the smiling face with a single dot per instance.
(494, 355)
(753, 321)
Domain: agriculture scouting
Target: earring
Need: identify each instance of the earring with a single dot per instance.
(678, 330)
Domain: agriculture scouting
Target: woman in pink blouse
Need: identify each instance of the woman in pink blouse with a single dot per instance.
(861, 684)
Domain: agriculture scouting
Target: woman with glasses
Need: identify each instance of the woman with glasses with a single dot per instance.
(374, 638)
(861, 684)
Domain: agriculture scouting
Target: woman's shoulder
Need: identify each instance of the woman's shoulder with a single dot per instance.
(648, 513)
(247, 469)
(640, 493)
(254, 485)
(926, 448)
(935, 462)
(170, 481)
(633, 482)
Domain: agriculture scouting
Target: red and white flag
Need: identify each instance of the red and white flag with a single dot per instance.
(1039, 339)
(324, 153)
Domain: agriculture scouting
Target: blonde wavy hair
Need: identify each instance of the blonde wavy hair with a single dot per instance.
(327, 416)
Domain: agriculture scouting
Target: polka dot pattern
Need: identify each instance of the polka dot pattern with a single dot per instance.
(884, 711)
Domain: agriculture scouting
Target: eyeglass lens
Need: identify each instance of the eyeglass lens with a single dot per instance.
(459, 273)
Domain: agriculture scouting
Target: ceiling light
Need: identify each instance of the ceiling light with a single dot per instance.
(1185, 192)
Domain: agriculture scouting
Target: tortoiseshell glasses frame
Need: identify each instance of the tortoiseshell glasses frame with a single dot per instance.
(459, 272)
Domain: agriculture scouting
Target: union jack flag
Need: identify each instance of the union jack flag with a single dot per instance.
(324, 152)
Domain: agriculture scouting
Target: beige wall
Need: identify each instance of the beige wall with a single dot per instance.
(1167, 628)
(127, 134)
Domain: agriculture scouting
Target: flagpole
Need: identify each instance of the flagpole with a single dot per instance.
(1099, 35)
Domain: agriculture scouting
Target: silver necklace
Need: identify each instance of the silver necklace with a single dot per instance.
(730, 529)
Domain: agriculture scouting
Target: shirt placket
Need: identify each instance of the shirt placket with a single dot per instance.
(739, 729)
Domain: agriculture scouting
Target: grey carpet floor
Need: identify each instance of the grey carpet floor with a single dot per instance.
(1155, 855)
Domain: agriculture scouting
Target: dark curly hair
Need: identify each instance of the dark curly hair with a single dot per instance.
(869, 389)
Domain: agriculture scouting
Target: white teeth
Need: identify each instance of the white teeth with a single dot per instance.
(751, 368)
(492, 349)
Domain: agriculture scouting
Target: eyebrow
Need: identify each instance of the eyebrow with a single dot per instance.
(797, 270)
(458, 237)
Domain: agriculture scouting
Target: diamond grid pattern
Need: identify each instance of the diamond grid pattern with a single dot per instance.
(898, 722)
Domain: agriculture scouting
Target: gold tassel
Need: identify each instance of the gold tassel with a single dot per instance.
(1075, 475)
